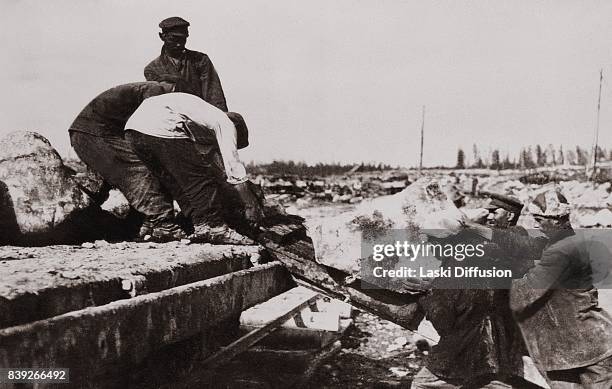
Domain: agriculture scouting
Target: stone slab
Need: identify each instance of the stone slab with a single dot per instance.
(95, 340)
(41, 282)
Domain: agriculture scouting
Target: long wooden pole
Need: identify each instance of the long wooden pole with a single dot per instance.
(422, 136)
(597, 127)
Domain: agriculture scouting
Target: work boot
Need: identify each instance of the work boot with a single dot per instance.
(146, 229)
(166, 232)
(221, 234)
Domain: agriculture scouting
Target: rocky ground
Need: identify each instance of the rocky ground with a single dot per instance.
(375, 354)
(62, 207)
(379, 354)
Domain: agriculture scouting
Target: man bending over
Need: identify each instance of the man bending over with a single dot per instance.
(181, 138)
(97, 136)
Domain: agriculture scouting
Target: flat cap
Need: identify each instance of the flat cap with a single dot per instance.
(509, 203)
(173, 22)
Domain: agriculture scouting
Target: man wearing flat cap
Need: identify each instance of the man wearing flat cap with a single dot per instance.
(190, 71)
(480, 346)
(504, 211)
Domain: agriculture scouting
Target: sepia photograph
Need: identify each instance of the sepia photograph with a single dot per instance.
(306, 194)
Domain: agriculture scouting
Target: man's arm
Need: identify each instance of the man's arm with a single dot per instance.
(212, 91)
(439, 308)
(205, 115)
(516, 242)
(539, 280)
(514, 245)
(211, 117)
(155, 72)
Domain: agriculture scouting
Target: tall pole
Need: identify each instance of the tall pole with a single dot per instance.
(597, 126)
(422, 135)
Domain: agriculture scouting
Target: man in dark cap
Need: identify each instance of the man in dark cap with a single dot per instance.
(480, 345)
(190, 71)
(97, 136)
(504, 211)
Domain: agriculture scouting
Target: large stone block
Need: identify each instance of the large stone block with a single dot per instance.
(39, 187)
(41, 282)
(43, 201)
(99, 342)
(424, 205)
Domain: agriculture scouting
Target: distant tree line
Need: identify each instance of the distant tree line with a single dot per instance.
(530, 157)
(320, 169)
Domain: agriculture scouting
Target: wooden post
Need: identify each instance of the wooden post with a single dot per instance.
(422, 135)
(597, 127)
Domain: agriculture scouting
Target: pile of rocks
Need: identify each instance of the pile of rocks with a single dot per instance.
(43, 201)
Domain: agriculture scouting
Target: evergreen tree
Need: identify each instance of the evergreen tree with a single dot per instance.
(506, 164)
(581, 156)
(540, 156)
(460, 159)
(528, 158)
(495, 160)
(551, 156)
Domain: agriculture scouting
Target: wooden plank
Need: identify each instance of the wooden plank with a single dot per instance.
(96, 340)
(265, 312)
(246, 341)
(401, 309)
(320, 314)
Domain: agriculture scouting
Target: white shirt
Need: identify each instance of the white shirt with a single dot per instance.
(169, 115)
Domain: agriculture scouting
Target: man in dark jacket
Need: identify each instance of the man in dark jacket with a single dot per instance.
(190, 71)
(480, 346)
(556, 306)
(97, 136)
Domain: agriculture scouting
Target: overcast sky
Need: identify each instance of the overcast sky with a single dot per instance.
(323, 80)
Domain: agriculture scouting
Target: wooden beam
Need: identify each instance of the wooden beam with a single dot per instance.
(298, 257)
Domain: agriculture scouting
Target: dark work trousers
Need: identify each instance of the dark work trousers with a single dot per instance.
(115, 160)
(192, 172)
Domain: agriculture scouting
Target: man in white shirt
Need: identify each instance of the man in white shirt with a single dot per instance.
(179, 136)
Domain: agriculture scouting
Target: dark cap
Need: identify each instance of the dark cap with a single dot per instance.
(509, 203)
(174, 23)
(242, 132)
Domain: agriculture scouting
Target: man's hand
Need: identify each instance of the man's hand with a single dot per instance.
(252, 199)
(476, 215)
(445, 223)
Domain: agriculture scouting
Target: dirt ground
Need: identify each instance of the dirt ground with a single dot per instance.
(375, 354)
(372, 354)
